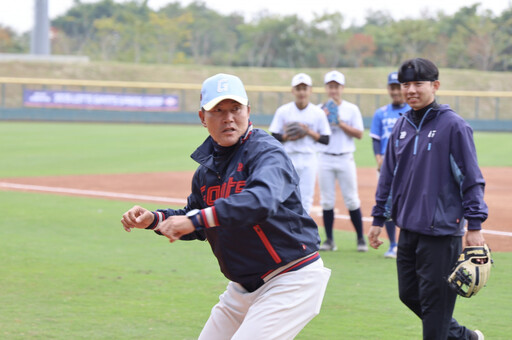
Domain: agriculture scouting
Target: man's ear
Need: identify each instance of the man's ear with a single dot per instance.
(436, 84)
(201, 116)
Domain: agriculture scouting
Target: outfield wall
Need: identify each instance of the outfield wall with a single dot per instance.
(263, 120)
(485, 111)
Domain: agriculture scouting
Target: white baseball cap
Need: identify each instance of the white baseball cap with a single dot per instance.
(301, 78)
(220, 87)
(334, 76)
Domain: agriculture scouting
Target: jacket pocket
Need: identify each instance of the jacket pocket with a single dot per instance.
(267, 244)
(449, 213)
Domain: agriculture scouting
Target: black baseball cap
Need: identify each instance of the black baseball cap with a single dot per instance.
(417, 69)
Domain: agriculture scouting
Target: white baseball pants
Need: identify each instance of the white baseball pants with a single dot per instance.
(342, 169)
(279, 309)
(306, 166)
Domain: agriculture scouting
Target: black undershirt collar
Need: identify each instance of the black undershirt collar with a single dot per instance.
(417, 115)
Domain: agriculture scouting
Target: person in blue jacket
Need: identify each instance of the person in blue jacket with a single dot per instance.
(246, 203)
(430, 185)
(383, 121)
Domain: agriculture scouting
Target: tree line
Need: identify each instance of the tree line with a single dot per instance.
(196, 34)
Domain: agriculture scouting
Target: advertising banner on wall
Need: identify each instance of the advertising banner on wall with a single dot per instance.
(100, 101)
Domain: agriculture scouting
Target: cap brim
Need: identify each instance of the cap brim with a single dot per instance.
(211, 104)
(334, 80)
(302, 82)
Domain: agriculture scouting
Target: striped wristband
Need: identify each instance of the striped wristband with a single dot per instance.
(158, 217)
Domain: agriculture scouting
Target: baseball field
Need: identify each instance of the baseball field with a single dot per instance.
(69, 271)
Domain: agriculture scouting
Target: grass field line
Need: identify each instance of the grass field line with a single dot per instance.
(158, 199)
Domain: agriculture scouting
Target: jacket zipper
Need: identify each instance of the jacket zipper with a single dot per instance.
(418, 128)
(267, 244)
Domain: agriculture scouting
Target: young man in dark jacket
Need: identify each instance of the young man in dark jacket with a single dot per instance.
(430, 185)
(246, 202)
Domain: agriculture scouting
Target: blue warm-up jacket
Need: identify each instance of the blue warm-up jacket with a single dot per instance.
(430, 181)
(251, 208)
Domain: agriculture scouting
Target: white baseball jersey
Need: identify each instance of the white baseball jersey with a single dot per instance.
(311, 115)
(339, 141)
(337, 162)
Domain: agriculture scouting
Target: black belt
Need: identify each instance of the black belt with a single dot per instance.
(335, 154)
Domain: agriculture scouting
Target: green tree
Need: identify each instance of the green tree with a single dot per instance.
(133, 32)
(167, 34)
(9, 41)
(329, 39)
(359, 47)
(503, 42)
(78, 22)
(108, 32)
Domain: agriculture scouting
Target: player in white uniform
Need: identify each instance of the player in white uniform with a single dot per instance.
(384, 120)
(302, 149)
(337, 160)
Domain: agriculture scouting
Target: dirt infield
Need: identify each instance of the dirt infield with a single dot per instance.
(177, 185)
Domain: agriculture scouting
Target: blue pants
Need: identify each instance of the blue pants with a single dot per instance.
(423, 265)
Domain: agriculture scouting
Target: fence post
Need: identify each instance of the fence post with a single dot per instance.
(260, 103)
(477, 102)
(3, 95)
(497, 109)
(22, 93)
(182, 100)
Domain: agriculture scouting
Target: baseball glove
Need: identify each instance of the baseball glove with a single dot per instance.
(331, 109)
(471, 271)
(295, 130)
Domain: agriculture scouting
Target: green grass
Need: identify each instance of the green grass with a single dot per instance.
(69, 271)
(42, 149)
(493, 148)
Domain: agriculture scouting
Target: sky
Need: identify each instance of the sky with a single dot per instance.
(18, 14)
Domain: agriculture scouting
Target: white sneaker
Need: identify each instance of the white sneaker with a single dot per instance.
(391, 253)
(361, 245)
(479, 334)
(328, 245)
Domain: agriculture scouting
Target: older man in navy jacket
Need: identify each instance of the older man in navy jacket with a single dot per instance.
(245, 201)
(430, 185)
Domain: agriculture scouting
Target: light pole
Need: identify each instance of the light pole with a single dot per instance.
(40, 39)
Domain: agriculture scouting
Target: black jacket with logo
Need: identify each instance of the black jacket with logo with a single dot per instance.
(251, 208)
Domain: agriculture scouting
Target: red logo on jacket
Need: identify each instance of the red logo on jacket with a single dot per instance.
(212, 193)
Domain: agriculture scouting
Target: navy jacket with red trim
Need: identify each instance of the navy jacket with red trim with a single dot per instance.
(430, 182)
(251, 208)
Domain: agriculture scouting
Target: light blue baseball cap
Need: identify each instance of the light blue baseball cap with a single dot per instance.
(220, 87)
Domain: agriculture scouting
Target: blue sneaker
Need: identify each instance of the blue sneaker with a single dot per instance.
(391, 253)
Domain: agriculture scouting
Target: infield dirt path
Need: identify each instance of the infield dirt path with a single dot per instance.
(498, 195)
